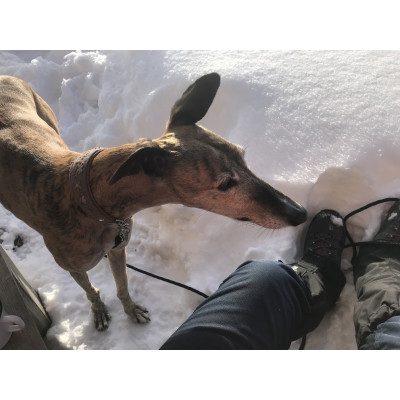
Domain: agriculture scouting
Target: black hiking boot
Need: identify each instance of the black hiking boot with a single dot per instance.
(389, 231)
(320, 266)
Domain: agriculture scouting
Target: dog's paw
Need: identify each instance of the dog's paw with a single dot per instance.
(101, 317)
(138, 313)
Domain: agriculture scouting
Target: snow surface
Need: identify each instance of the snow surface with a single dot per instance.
(321, 126)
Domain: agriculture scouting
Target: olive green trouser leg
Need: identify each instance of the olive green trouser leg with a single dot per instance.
(377, 284)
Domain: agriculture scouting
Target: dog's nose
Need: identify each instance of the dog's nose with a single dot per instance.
(296, 214)
(299, 217)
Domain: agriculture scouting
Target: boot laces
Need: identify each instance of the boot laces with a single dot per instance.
(322, 245)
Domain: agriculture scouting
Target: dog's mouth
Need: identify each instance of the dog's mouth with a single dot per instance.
(272, 222)
(244, 219)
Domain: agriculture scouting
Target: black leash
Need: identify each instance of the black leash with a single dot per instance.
(161, 278)
(168, 281)
(352, 243)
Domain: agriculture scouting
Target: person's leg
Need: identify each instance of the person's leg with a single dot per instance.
(259, 306)
(377, 283)
(266, 305)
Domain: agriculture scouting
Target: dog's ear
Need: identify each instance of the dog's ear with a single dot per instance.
(195, 101)
(152, 160)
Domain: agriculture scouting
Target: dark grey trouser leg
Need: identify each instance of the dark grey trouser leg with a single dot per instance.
(260, 306)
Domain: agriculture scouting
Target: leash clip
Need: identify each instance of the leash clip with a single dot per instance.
(124, 228)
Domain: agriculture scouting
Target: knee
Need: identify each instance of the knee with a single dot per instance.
(270, 275)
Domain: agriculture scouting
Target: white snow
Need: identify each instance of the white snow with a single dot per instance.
(392, 216)
(337, 221)
(321, 126)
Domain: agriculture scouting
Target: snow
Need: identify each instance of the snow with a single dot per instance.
(392, 216)
(320, 126)
(337, 221)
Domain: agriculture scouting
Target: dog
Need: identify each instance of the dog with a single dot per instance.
(82, 203)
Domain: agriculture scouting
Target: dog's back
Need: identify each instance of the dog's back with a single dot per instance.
(18, 102)
(30, 146)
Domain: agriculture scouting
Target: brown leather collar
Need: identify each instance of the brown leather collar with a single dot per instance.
(81, 192)
(82, 195)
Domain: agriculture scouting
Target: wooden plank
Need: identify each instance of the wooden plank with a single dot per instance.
(29, 295)
(19, 298)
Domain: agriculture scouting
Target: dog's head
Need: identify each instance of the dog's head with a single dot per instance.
(204, 170)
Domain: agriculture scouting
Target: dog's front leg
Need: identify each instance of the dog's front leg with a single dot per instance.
(101, 316)
(117, 260)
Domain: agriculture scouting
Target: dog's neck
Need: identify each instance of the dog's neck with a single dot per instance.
(122, 199)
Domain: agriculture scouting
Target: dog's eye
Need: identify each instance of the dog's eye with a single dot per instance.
(227, 184)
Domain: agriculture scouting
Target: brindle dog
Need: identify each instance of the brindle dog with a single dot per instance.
(83, 204)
